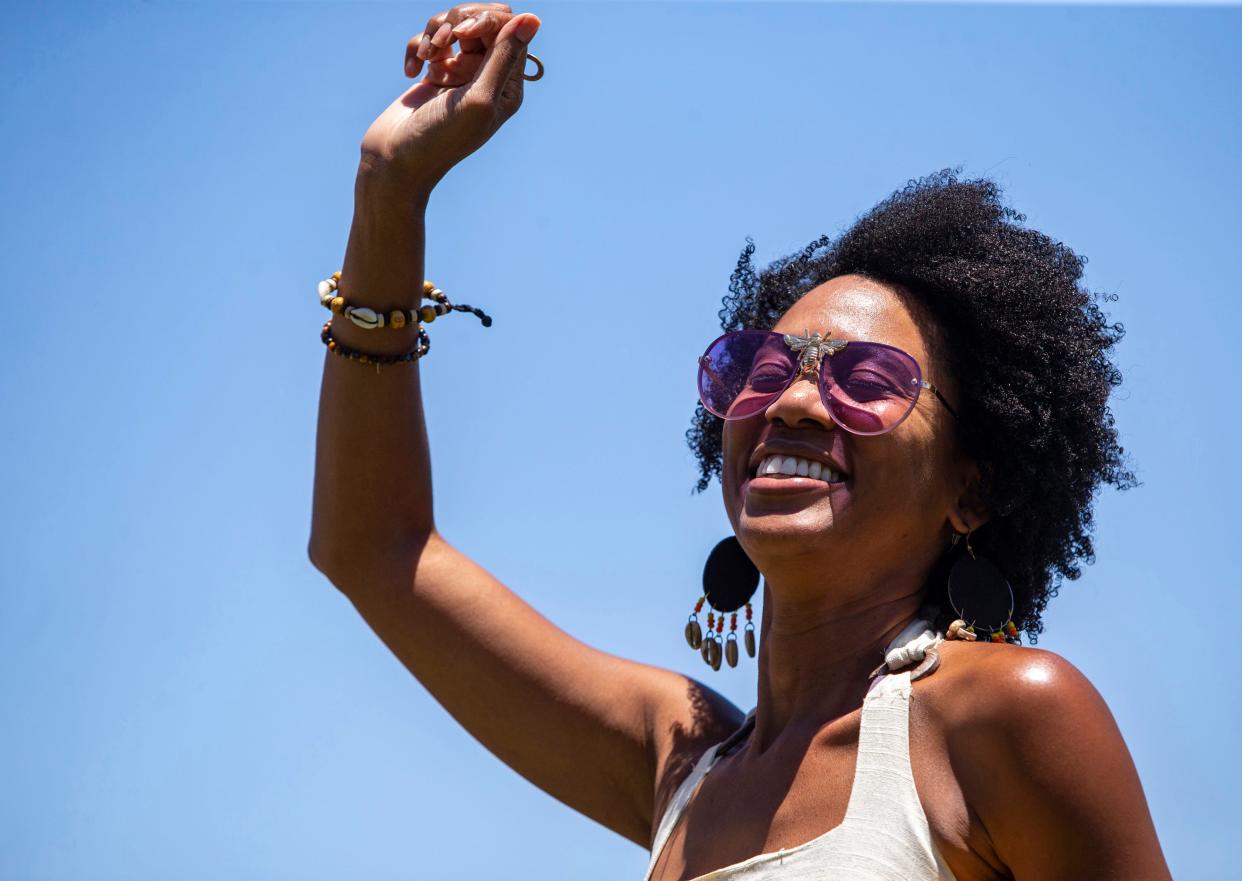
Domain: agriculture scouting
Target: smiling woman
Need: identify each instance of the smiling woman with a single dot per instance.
(936, 373)
(1001, 310)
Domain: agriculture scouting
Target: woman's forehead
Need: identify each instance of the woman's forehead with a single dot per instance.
(856, 308)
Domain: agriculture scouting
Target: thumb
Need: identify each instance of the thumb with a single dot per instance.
(506, 59)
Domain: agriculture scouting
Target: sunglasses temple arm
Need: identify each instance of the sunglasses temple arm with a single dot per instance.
(947, 406)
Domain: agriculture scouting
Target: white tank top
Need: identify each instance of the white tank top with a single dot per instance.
(884, 836)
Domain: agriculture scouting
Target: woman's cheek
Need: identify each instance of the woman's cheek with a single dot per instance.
(735, 448)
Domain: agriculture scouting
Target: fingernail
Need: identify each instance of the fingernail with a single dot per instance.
(526, 28)
(423, 46)
(409, 67)
(465, 25)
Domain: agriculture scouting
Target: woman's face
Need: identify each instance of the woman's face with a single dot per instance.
(901, 493)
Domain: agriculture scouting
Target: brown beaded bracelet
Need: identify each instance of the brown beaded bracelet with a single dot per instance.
(369, 319)
(422, 348)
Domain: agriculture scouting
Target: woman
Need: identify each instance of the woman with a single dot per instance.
(930, 389)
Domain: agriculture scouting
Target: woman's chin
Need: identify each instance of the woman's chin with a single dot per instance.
(788, 516)
(764, 529)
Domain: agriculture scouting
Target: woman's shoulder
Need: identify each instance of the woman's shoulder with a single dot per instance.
(996, 674)
(1041, 762)
(1032, 744)
(998, 687)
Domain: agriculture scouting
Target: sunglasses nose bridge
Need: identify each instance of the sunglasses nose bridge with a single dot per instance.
(809, 401)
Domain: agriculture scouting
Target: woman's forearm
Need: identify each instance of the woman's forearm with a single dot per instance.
(372, 495)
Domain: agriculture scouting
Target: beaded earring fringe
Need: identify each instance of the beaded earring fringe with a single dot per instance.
(712, 647)
(959, 629)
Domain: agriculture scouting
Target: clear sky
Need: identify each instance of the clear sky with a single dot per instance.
(182, 696)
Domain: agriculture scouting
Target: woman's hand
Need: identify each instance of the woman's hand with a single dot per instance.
(462, 99)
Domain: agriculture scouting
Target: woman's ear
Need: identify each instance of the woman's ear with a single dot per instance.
(968, 512)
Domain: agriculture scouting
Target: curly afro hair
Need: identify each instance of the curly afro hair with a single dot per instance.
(1027, 344)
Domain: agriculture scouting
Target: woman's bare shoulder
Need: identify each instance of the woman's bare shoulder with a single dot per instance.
(998, 673)
(1001, 697)
(1041, 761)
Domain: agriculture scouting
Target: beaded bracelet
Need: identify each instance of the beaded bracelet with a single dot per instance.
(422, 348)
(369, 319)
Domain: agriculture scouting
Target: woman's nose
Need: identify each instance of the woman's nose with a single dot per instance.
(800, 403)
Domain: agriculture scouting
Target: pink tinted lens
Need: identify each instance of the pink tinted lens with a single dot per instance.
(742, 372)
(869, 388)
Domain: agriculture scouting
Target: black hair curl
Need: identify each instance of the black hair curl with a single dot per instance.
(1028, 346)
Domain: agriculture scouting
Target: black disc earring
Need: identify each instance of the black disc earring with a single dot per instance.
(981, 596)
(729, 581)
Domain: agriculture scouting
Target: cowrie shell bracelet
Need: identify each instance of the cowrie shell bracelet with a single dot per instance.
(369, 319)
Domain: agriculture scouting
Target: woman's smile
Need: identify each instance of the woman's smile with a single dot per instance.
(788, 471)
(778, 465)
(781, 475)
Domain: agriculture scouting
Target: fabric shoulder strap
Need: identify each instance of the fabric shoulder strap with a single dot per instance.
(681, 797)
(883, 779)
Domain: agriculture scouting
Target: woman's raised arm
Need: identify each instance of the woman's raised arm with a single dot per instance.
(594, 730)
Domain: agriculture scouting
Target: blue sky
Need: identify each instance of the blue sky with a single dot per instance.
(185, 697)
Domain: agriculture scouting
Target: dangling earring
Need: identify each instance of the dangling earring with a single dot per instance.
(729, 581)
(981, 597)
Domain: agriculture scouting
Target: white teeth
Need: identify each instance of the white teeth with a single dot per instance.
(794, 466)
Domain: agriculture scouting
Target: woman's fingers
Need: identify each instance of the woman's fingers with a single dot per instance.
(420, 47)
(455, 71)
(471, 23)
(462, 68)
(483, 30)
(500, 80)
(470, 32)
(497, 73)
(425, 50)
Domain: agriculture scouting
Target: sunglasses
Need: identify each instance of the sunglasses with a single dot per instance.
(868, 388)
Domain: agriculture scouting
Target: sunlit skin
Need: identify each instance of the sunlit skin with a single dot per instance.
(845, 567)
(1001, 736)
(1018, 764)
(845, 563)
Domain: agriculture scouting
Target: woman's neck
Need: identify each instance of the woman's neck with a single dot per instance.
(815, 659)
